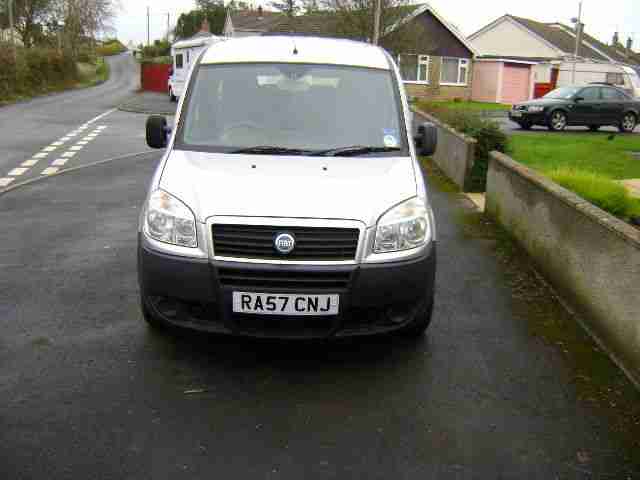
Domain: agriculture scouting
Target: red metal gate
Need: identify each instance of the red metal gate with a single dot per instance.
(155, 77)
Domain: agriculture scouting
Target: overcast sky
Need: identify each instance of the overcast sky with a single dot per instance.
(602, 17)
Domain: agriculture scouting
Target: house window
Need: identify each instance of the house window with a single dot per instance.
(455, 71)
(414, 68)
(179, 61)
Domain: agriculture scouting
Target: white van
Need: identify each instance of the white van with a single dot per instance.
(584, 73)
(185, 53)
(290, 202)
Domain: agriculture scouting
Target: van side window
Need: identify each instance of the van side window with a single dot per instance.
(179, 61)
(615, 78)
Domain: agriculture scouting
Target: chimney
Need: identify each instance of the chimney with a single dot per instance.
(205, 26)
(616, 39)
(629, 47)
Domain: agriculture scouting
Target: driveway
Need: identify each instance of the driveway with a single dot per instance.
(88, 391)
(513, 128)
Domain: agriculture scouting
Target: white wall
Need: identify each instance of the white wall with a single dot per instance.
(509, 39)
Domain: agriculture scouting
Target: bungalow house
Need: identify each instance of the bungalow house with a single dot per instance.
(521, 59)
(246, 23)
(436, 61)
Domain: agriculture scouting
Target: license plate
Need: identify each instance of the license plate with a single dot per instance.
(516, 114)
(285, 304)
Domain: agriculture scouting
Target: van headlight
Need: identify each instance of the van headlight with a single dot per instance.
(169, 220)
(404, 227)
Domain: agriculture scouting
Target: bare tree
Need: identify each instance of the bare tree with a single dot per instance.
(355, 18)
(82, 20)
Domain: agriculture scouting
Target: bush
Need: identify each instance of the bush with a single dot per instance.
(160, 48)
(488, 133)
(603, 192)
(34, 71)
(111, 47)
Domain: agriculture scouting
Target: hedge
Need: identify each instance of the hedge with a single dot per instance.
(33, 71)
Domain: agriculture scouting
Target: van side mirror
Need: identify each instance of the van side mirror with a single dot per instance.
(426, 139)
(157, 131)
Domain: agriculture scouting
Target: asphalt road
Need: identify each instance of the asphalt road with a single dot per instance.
(52, 132)
(88, 391)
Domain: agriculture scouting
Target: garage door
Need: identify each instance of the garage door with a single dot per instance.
(515, 83)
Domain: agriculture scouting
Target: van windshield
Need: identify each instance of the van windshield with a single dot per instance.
(310, 108)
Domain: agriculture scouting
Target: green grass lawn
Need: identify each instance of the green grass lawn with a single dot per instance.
(586, 152)
(587, 164)
(464, 105)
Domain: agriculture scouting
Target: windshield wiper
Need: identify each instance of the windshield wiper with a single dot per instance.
(272, 150)
(354, 151)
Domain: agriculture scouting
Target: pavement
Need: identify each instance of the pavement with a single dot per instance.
(633, 186)
(88, 391)
(150, 103)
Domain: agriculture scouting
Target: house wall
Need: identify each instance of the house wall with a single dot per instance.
(485, 81)
(511, 40)
(435, 91)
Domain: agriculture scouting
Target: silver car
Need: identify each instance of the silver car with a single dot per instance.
(289, 202)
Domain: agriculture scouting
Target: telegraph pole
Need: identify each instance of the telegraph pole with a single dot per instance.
(376, 22)
(148, 26)
(579, 26)
(11, 31)
(168, 25)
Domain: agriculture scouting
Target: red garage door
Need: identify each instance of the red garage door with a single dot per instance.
(516, 83)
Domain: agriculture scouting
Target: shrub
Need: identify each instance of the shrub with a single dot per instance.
(488, 133)
(33, 71)
(603, 192)
(111, 47)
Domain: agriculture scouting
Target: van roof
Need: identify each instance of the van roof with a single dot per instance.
(297, 49)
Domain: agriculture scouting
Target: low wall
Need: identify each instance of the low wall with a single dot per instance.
(455, 154)
(591, 257)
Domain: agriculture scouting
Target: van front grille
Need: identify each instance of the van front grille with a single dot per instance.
(311, 243)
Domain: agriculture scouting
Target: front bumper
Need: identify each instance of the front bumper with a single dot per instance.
(539, 118)
(197, 294)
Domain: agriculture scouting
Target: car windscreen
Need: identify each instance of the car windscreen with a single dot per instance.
(564, 93)
(293, 106)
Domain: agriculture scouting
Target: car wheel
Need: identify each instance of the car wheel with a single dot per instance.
(558, 121)
(594, 128)
(525, 125)
(629, 123)
(422, 321)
